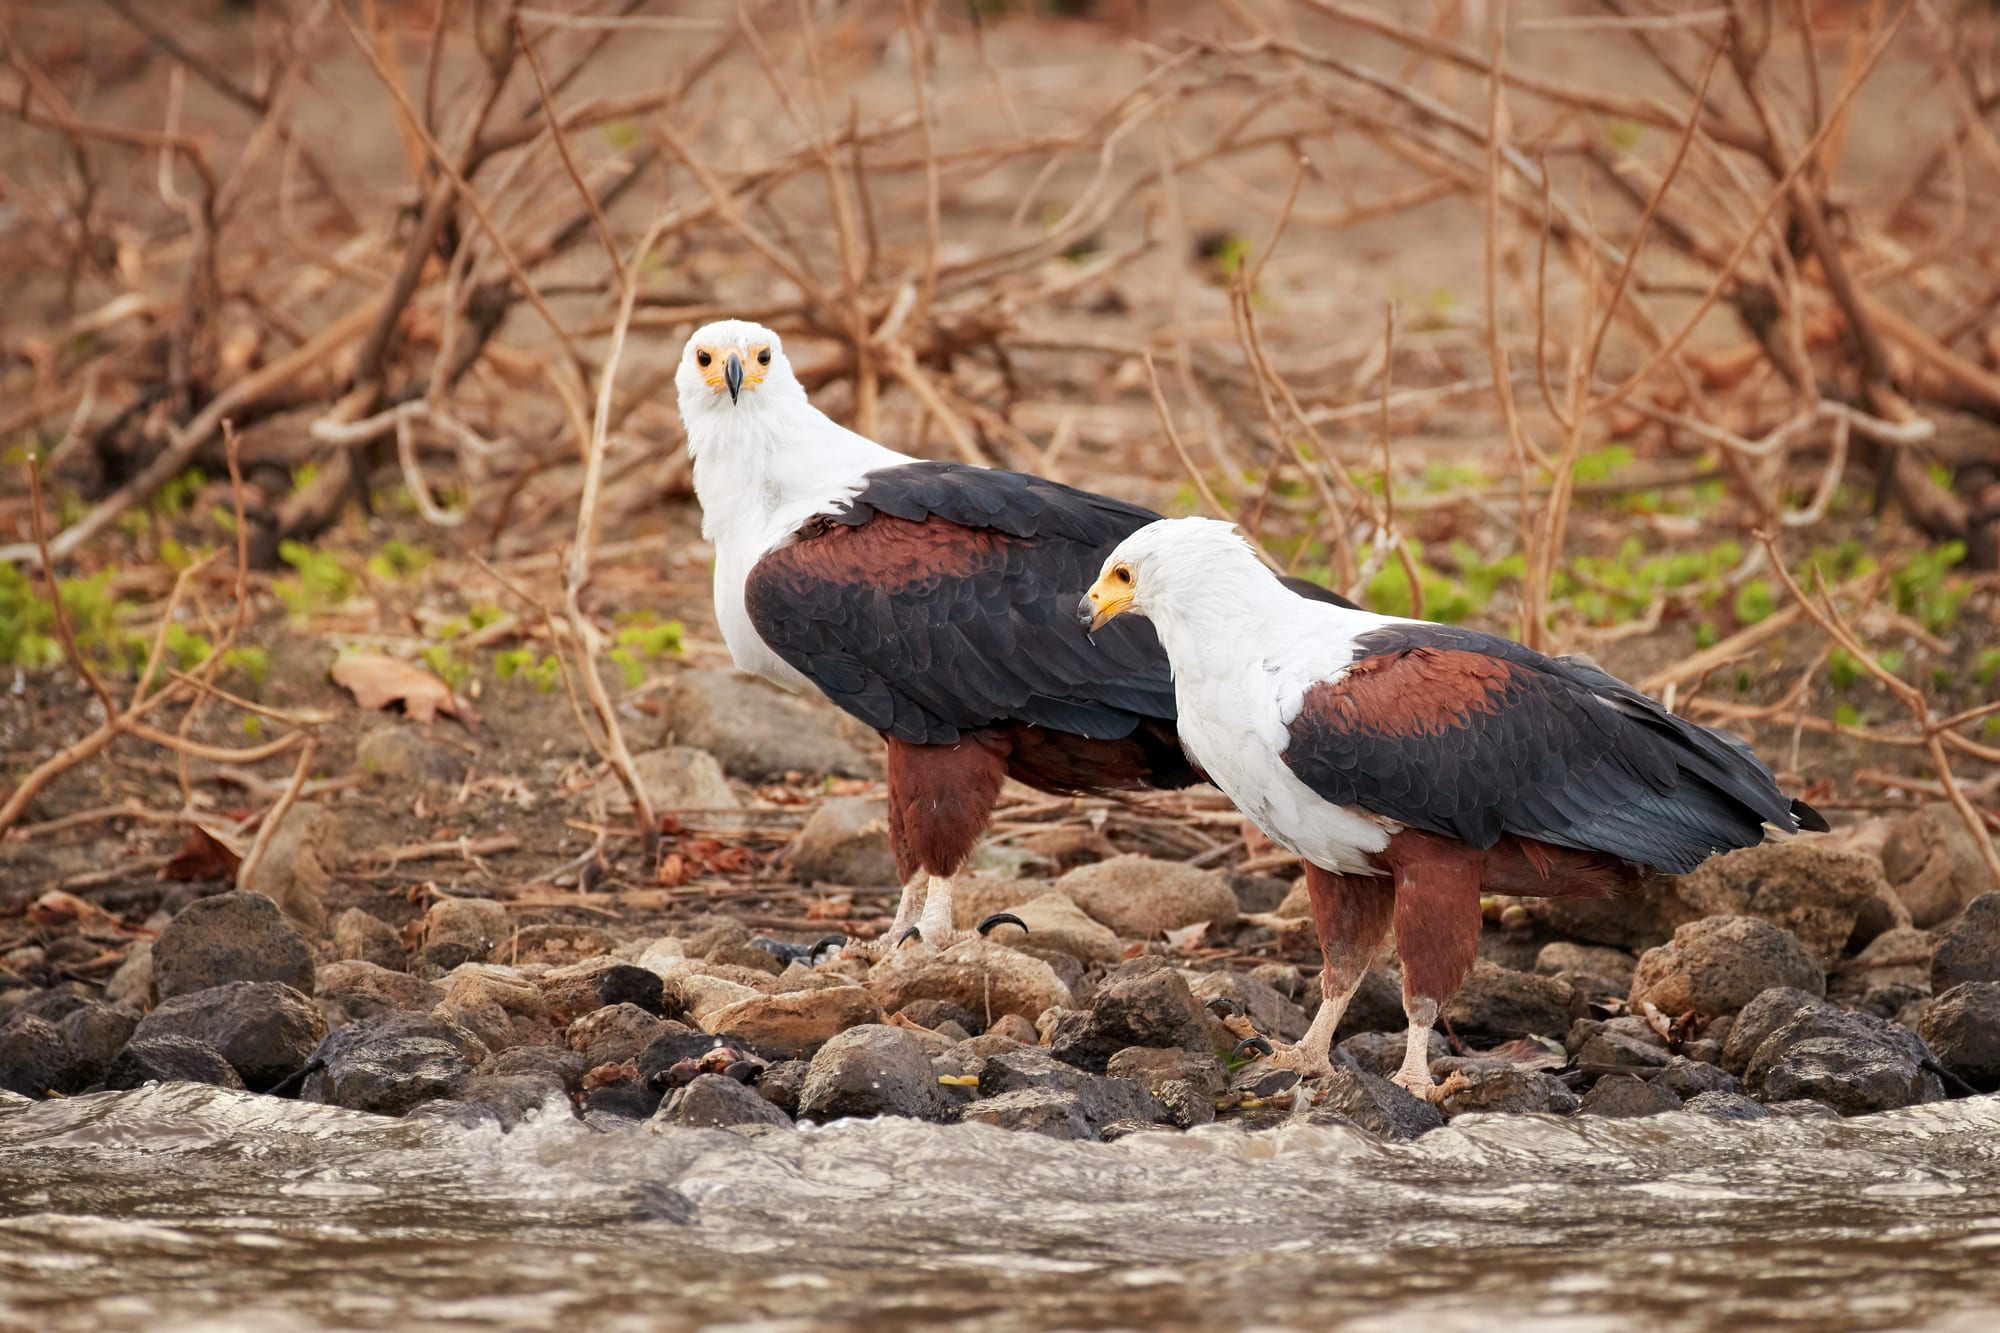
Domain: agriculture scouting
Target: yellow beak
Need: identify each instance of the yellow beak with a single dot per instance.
(1103, 603)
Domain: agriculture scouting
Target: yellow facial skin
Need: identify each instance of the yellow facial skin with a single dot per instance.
(737, 369)
(1107, 599)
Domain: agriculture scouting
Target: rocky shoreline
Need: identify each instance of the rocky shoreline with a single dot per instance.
(1816, 977)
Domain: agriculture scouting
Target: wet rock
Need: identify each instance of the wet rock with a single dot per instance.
(977, 975)
(401, 752)
(1497, 1004)
(1812, 888)
(716, 1101)
(367, 938)
(294, 871)
(1233, 992)
(873, 1070)
(1143, 899)
(1763, 1016)
(1560, 956)
(1609, 1046)
(231, 937)
(131, 986)
(514, 1098)
(1145, 1002)
(34, 1059)
(265, 1029)
(463, 930)
(1098, 1098)
(1896, 957)
(1963, 1027)
(1056, 923)
(1158, 1070)
(1969, 948)
(1803, 1109)
(1050, 1112)
(794, 1024)
(552, 943)
(758, 731)
(1381, 1053)
(571, 992)
(678, 777)
(389, 1065)
(566, 1067)
(1719, 964)
(1688, 1079)
(1637, 918)
(931, 1013)
(1627, 1097)
(846, 841)
(1510, 1090)
(613, 1034)
(782, 1083)
(1855, 1063)
(1725, 1106)
(350, 990)
(93, 1034)
(1376, 1105)
(169, 1060)
(1933, 865)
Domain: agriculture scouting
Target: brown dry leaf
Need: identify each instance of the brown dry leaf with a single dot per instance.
(202, 856)
(378, 680)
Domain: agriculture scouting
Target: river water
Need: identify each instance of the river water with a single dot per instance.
(181, 1207)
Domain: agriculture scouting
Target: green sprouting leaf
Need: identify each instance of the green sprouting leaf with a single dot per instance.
(1754, 602)
(1847, 715)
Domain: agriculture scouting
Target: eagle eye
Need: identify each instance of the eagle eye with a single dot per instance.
(1122, 574)
(763, 356)
(702, 358)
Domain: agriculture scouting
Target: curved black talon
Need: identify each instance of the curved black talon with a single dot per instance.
(825, 943)
(911, 933)
(291, 1085)
(1002, 919)
(1260, 1045)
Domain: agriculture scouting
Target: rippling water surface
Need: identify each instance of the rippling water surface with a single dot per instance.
(189, 1207)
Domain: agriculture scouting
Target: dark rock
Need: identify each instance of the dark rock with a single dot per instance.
(368, 938)
(389, 1065)
(351, 990)
(846, 841)
(1687, 1078)
(870, 1071)
(1892, 999)
(567, 1068)
(1969, 948)
(1154, 1068)
(169, 1060)
(716, 1101)
(1511, 1090)
(1801, 1110)
(793, 1024)
(781, 1083)
(1899, 955)
(1760, 1018)
(1725, 1106)
(1377, 1005)
(1855, 1063)
(513, 1098)
(1934, 864)
(625, 1099)
(463, 930)
(1141, 1003)
(677, 1043)
(1258, 893)
(1375, 1104)
(613, 1034)
(1186, 1106)
(1235, 993)
(1641, 917)
(54, 1004)
(1719, 964)
(265, 1029)
(132, 984)
(1627, 1097)
(1381, 1053)
(1615, 1046)
(930, 1013)
(94, 1034)
(1098, 1098)
(988, 979)
(1051, 1112)
(232, 937)
(1963, 1027)
(34, 1059)
(758, 731)
(582, 988)
(1497, 1004)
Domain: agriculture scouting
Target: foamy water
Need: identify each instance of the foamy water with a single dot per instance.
(193, 1207)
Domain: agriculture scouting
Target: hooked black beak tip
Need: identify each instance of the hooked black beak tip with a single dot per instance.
(732, 375)
(1086, 611)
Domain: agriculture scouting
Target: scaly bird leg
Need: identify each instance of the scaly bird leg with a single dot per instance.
(934, 926)
(1415, 1075)
(1351, 913)
(906, 916)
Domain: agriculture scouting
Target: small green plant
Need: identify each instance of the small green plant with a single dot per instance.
(449, 667)
(1847, 715)
(322, 581)
(642, 640)
(1925, 588)
(1596, 466)
(1754, 602)
(398, 560)
(543, 673)
(177, 494)
(1986, 666)
(1845, 669)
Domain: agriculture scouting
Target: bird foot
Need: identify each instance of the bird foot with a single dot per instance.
(1307, 1062)
(918, 936)
(1418, 1085)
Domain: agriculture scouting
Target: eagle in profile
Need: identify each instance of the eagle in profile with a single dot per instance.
(933, 601)
(1413, 767)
